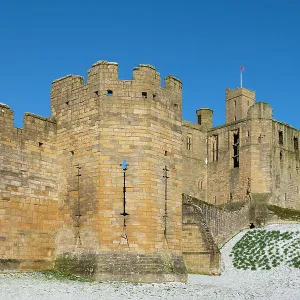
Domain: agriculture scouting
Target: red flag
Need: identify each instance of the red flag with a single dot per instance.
(242, 68)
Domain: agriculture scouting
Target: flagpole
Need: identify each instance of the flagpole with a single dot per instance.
(241, 76)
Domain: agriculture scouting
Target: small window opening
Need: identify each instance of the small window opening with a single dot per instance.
(144, 95)
(154, 96)
(280, 137)
(188, 143)
(248, 133)
(67, 102)
(236, 149)
(230, 197)
(166, 153)
(72, 152)
(97, 93)
(215, 199)
(201, 184)
(234, 119)
(214, 147)
(296, 144)
(199, 119)
(176, 105)
(109, 93)
(40, 144)
(234, 103)
(281, 156)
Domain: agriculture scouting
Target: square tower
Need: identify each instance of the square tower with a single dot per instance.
(238, 102)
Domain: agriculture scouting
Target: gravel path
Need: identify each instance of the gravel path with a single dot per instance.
(280, 283)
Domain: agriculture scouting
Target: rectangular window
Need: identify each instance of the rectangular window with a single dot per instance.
(188, 143)
(199, 119)
(280, 137)
(214, 148)
(296, 144)
(236, 148)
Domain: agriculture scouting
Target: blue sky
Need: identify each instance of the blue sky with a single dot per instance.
(203, 43)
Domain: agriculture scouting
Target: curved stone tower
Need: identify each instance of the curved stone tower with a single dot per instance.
(119, 161)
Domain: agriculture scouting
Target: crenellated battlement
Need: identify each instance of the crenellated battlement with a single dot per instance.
(6, 116)
(103, 81)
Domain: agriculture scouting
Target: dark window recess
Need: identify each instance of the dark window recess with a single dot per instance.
(166, 153)
(199, 119)
(236, 149)
(296, 144)
(154, 96)
(97, 93)
(40, 144)
(188, 143)
(67, 102)
(144, 95)
(231, 197)
(109, 93)
(72, 152)
(280, 137)
(201, 184)
(176, 105)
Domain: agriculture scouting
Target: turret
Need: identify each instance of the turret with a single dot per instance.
(238, 102)
(204, 118)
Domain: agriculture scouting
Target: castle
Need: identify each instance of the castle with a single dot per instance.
(115, 186)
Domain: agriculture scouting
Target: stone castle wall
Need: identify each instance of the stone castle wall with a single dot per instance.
(97, 126)
(285, 166)
(28, 191)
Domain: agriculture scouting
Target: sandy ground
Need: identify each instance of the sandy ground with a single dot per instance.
(280, 283)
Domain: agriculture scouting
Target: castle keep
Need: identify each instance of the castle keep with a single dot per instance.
(115, 186)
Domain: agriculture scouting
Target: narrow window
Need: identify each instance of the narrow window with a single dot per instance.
(97, 93)
(248, 133)
(40, 144)
(296, 145)
(214, 147)
(234, 103)
(67, 102)
(154, 96)
(176, 105)
(144, 95)
(280, 137)
(201, 184)
(166, 153)
(234, 119)
(215, 199)
(231, 197)
(188, 143)
(72, 153)
(109, 93)
(236, 149)
(199, 119)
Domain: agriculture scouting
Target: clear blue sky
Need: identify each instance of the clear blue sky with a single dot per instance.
(203, 43)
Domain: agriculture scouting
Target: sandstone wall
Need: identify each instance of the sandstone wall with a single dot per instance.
(28, 192)
(99, 125)
(285, 166)
(194, 172)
